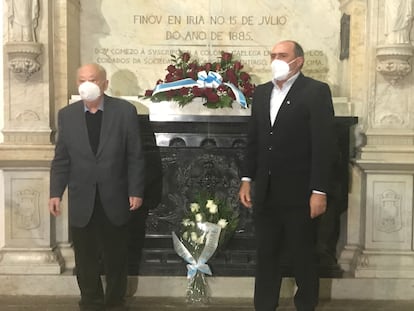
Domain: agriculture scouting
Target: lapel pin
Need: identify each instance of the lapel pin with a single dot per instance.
(288, 102)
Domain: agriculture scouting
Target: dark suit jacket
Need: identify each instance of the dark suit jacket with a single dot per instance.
(117, 168)
(296, 151)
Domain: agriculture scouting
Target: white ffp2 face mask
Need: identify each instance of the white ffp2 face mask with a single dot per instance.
(280, 69)
(89, 91)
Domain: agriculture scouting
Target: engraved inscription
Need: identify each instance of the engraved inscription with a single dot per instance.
(140, 36)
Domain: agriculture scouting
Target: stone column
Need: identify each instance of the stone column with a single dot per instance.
(353, 69)
(380, 227)
(38, 73)
(66, 60)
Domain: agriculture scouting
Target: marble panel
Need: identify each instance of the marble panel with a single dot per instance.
(27, 219)
(389, 212)
(134, 39)
(28, 236)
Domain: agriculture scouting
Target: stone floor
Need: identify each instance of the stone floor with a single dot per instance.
(69, 303)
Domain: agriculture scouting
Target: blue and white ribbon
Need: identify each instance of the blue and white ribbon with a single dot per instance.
(239, 94)
(175, 85)
(211, 80)
(212, 238)
(204, 80)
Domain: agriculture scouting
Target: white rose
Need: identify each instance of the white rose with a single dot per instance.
(192, 223)
(198, 217)
(194, 236)
(194, 207)
(185, 235)
(186, 222)
(210, 203)
(200, 240)
(213, 209)
(222, 223)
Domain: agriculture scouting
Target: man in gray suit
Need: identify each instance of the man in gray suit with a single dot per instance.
(98, 157)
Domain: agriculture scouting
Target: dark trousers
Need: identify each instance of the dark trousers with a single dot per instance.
(136, 239)
(279, 226)
(101, 242)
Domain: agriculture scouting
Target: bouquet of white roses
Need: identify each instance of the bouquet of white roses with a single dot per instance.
(206, 226)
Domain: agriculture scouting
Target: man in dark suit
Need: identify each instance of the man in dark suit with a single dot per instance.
(289, 160)
(98, 157)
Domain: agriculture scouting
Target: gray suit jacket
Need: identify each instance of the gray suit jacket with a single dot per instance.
(117, 168)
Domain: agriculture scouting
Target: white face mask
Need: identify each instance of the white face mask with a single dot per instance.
(89, 91)
(280, 69)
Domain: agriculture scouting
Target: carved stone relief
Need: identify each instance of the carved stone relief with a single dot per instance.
(22, 48)
(393, 61)
(393, 57)
(26, 211)
(28, 115)
(28, 243)
(389, 212)
(398, 17)
(389, 215)
(26, 218)
(190, 171)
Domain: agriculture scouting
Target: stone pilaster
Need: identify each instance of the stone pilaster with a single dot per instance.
(66, 59)
(39, 67)
(354, 69)
(380, 228)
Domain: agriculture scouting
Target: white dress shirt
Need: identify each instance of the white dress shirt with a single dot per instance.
(278, 96)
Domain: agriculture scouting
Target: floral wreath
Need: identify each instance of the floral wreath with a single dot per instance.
(218, 83)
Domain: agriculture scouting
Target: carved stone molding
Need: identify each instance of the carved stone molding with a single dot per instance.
(38, 137)
(393, 61)
(31, 261)
(22, 58)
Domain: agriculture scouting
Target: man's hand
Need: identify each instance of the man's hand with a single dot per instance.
(134, 203)
(244, 194)
(317, 204)
(54, 206)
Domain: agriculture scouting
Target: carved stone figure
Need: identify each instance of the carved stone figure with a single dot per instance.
(398, 21)
(23, 18)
